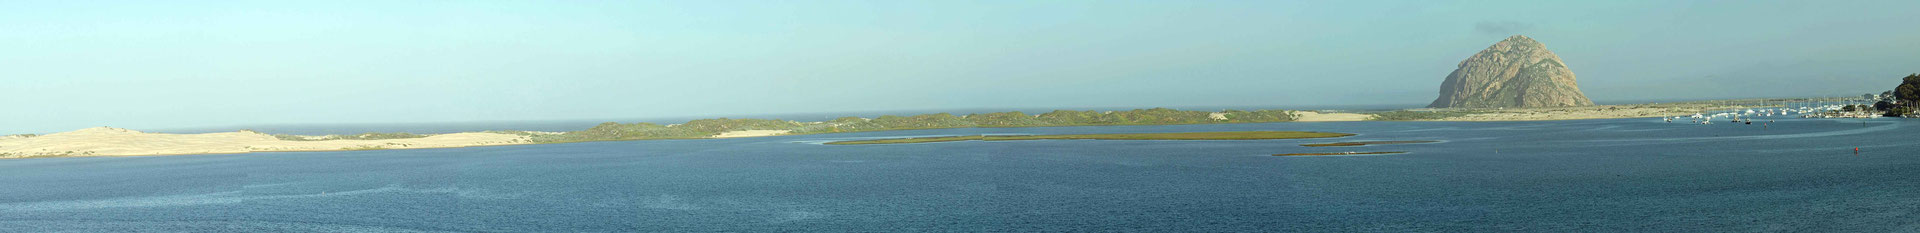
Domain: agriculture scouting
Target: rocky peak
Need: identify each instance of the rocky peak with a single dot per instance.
(1516, 72)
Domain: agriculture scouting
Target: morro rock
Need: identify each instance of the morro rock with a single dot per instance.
(1517, 72)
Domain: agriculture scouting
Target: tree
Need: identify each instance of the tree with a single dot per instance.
(1909, 89)
(1882, 105)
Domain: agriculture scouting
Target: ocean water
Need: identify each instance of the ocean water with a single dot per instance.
(1586, 175)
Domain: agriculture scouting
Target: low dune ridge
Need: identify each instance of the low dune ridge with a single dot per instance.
(107, 141)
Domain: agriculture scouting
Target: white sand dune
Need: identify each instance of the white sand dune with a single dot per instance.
(104, 141)
(750, 133)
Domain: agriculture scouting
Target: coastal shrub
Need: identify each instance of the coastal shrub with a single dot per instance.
(724, 125)
(290, 137)
(1004, 119)
(378, 136)
(1237, 116)
(365, 136)
(513, 132)
(701, 128)
(1162, 116)
(1153, 116)
(616, 131)
(1065, 117)
(843, 124)
(926, 121)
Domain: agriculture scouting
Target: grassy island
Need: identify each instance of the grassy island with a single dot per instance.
(1242, 135)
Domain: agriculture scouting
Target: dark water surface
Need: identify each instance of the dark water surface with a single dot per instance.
(1591, 175)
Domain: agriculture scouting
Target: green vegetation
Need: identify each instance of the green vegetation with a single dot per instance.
(1245, 135)
(20, 136)
(1404, 115)
(1365, 143)
(1906, 94)
(702, 128)
(705, 128)
(1342, 153)
(1897, 111)
(1909, 89)
(365, 136)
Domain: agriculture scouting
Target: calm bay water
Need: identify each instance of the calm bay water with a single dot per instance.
(1590, 175)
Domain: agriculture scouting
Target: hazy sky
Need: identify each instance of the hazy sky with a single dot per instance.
(154, 64)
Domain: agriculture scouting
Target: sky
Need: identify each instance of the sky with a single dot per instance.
(167, 64)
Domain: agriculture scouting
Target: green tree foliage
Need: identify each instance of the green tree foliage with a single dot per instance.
(1909, 89)
(1897, 111)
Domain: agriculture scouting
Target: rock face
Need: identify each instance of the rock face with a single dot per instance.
(1517, 72)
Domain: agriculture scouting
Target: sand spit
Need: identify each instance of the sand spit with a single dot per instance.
(1588, 112)
(1306, 116)
(751, 133)
(105, 141)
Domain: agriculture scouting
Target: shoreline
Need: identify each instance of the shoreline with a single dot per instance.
(1560, 113)
(115, 142)
(106, 141)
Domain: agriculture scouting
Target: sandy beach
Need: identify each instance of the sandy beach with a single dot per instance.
(104, 141)
(107, 141)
